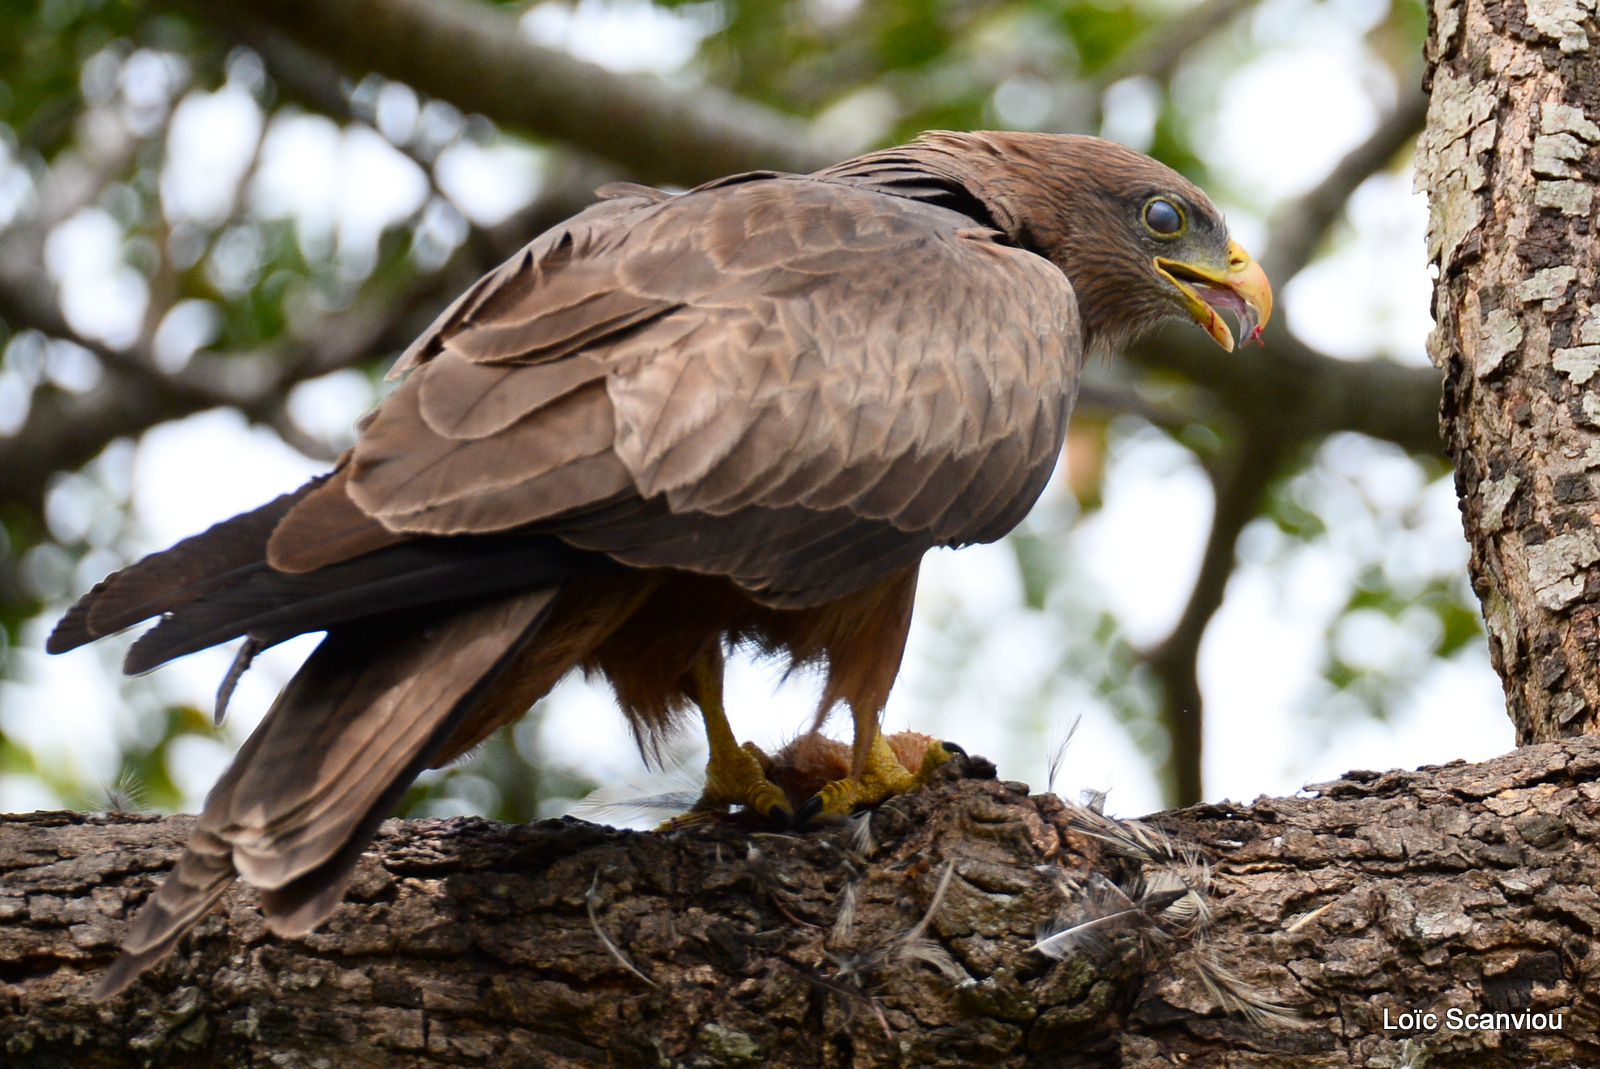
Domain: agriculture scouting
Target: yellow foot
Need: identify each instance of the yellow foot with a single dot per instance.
(737, 777)
(886, 774)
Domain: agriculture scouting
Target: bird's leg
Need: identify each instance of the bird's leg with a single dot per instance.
(876, 773)
(735, 775)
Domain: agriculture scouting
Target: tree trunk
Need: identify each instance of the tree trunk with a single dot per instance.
(565, 944)
(1509, 160)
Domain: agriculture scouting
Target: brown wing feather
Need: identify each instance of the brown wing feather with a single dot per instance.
(770, 349)
(599, 477)
(853, 346)
(416, 480)
(325, 527)
(498, 317)
(787, 558)
(460, 399)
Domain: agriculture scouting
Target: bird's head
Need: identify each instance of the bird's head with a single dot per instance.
(1139, 242)
(1198, 268)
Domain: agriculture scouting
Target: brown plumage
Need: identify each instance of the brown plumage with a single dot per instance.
(673, 424)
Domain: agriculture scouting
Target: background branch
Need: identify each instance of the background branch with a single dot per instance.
(1302, 394)
(1239, 481)
(475, 55)
(1159, 52)
(1300, 229)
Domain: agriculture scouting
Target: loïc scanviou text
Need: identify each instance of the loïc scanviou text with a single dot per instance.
(1457, 1019)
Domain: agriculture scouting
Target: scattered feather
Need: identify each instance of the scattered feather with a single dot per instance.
(1308, 918)
(933, 906)
(911, 945)
(845, 922)
(1058, 754)
(861, 838)
(126, 795)
(1164, 900)
(1234, 994)
(1413, 1055)
(592, 900)
(916, 946)
(1102, 912)
(643, 801)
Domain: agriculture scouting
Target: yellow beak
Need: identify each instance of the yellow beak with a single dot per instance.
(1242, 288)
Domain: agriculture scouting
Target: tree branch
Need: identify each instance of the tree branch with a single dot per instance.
(1300, 394)
(1157, 54)
(474, 55)
(1239, 481)
(467, 942)
(1299, 230)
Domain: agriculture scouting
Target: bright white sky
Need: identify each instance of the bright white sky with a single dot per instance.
(1283, 120)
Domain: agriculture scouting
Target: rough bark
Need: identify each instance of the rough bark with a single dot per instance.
(1510, 161)
(464, 942)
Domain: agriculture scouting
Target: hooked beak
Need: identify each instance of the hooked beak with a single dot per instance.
(1242, 288)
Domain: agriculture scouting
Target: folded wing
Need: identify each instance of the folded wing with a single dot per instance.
(740, 380)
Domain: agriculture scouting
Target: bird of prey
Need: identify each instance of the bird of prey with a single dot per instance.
(672, 425)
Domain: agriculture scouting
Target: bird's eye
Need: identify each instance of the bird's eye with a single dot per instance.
(1163, 217)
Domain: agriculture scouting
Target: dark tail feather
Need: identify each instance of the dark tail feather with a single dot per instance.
(218, 585)
(272, 606)
(166, 581)
(364, 715)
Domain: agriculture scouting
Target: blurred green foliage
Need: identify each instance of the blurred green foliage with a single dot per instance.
(882, 71)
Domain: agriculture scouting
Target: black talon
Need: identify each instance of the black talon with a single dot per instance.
(808, 809)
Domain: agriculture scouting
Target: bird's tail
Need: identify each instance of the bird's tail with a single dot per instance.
(366, 713)
(219, 585)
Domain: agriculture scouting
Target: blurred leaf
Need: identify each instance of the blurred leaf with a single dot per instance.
(1291, 516)
(1103, 32)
